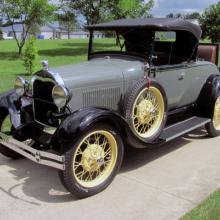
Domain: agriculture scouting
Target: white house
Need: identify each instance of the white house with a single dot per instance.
(50, 31)
(8, 32)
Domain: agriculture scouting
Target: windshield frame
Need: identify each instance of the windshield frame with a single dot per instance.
(130, 55)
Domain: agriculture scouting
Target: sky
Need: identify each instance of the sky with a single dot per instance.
(164, 7)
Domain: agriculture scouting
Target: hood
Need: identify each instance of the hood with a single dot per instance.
(96, 72)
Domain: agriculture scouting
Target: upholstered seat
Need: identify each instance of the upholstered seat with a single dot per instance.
(208, 53)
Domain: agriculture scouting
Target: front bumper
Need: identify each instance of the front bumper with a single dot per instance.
(40, 157)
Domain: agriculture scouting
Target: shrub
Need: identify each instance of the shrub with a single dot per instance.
(30, 56)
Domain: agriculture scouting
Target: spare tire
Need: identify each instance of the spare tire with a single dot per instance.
(145, 109)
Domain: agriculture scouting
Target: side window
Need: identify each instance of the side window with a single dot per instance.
(164, 49)
(165, 36)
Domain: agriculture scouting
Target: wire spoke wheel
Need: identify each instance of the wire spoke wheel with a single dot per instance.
(95, 158)
(148, 112)
(216, 116)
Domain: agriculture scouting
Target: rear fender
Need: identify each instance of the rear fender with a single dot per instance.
(10, 101)
(208, 96)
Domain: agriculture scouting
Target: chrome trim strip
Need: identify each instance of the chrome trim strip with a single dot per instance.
(37, 156)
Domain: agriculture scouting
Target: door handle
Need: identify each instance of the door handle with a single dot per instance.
(181, 76)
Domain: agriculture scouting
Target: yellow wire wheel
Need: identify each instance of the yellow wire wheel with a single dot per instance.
(216, 115)
(95, 158)
(92, 161)
(213, 127)
(148, 112)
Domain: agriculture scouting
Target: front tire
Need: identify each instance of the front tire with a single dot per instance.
(213, 127)
(93, 161)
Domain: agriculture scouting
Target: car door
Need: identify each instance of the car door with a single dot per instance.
(172, 78)
(195, 77)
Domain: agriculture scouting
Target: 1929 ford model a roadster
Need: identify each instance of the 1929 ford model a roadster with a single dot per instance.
(150, 87)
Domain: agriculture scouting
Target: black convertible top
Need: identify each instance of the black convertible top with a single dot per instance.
(161, 24)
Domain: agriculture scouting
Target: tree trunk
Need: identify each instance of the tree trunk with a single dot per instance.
(20, 50)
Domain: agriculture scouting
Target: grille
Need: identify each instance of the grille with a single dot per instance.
(108, 98)
(43, 102)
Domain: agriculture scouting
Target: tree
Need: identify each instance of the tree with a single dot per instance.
(26, 13)
(67, 21)
(1, 32)
(30, 56)
(1, 35)
(91, 10)
(193, 15)
(96, 11)
(130, 8)
(178, 15)
(210, 22)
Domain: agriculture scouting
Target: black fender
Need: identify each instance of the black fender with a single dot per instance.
(208, 96)
(78, 122)
(9, 101)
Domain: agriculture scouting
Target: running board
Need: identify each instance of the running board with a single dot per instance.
(183, 127)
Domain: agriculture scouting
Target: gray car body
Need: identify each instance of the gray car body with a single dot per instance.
(104, 81)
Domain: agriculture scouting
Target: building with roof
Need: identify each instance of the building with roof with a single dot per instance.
(49, 31)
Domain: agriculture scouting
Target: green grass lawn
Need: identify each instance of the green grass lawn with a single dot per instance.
(57, 52)
(208, 210)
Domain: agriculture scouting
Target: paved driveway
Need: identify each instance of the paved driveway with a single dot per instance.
(160, 183)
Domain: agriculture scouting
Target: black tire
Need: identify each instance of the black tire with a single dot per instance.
(130, 100)
(3, 150)
(212, 129)
(68, 177)
(212, 132)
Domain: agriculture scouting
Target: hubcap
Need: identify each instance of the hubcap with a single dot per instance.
(147, 113)
(216, 117)
(95, 158)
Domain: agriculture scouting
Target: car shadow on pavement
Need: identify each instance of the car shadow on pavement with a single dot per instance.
(35, 184)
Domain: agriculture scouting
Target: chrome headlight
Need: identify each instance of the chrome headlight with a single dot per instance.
(61, 96)
(20, 86)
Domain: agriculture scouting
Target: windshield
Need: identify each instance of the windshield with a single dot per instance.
(133, 42)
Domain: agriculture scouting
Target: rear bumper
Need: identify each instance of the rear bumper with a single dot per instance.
(40, 157)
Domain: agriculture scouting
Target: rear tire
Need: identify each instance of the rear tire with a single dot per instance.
(93, 161)
(213, 127)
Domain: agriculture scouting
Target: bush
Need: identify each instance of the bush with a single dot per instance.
(30, 56)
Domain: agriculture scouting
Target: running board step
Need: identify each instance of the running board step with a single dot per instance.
(183, 127)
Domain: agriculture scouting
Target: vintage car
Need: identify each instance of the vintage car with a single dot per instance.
(150, 83)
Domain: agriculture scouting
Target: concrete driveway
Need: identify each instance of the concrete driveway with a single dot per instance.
(160, 183)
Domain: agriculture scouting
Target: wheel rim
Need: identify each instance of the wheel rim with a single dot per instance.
(95, 158)
(216, 116)
(147, 112)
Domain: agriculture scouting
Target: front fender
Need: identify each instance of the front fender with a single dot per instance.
(10, 101)
(77, 123)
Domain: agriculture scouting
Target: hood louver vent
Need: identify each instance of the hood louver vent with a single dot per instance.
(102, 97)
